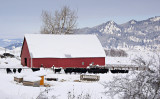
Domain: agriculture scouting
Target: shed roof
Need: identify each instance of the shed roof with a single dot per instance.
(64, 46)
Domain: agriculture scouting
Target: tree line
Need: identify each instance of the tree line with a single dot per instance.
(116, 53)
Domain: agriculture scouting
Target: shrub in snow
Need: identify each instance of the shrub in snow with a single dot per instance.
(79, 96)
(138, 84)
(46, 94)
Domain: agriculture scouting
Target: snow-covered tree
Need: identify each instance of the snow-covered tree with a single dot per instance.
(138, 84)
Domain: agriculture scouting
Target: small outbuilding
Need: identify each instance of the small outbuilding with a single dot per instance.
(61, 51)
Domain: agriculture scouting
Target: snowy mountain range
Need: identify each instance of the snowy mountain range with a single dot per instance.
(145, 33)
(132, 34)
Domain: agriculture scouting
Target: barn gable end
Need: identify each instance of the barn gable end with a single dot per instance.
(25, 56)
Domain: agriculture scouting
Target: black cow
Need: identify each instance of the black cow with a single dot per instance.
(14, 70)
(113, 71)
(119, 71)
(76, 70)
(35, 69)
(68, 70)
(106, 70)
(93, 70)
(83, 70)
(19, 70)
(126, 71)
(79, 70)
(8, 70)
(103, 71)
(57, 70)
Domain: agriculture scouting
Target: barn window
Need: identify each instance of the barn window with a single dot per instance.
(82, 63)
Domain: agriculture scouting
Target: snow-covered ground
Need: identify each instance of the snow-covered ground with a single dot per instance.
(12, 90)
(132, 54)
(9, 63)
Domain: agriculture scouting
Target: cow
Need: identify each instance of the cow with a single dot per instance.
(68, 70)
(57, 70)
(14, 70)
(19, 70)
(8, 70)
(35, 69)
(83, 70)
(119, 71)
(113, 71)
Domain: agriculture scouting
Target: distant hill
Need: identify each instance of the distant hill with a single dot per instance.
(145, 33)
(10, 43)
(15, 45)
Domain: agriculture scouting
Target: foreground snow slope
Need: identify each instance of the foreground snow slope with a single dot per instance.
(12, 90)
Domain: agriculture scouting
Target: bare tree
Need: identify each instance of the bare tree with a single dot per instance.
(138, 84)
(62, 22)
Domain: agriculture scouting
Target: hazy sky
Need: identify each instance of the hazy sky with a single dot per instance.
(18, 17)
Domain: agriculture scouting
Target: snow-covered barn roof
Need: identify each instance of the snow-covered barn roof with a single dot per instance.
(64, 46)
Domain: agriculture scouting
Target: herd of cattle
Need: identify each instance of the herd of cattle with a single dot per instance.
(93, 70)
(8, 70)
(74, 70)
(85, 70)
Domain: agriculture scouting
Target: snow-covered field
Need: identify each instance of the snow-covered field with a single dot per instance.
(60, 89)
(132, 54)
(12, 90)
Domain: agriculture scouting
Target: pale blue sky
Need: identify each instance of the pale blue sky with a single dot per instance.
(18, 17)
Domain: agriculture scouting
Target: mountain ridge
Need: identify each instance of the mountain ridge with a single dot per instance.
(144, 33)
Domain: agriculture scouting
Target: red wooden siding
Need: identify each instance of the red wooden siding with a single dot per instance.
(66, 62)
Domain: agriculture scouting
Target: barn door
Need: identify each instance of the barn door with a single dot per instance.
(25, 61)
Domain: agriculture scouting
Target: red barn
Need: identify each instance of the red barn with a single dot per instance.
(61, 50)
